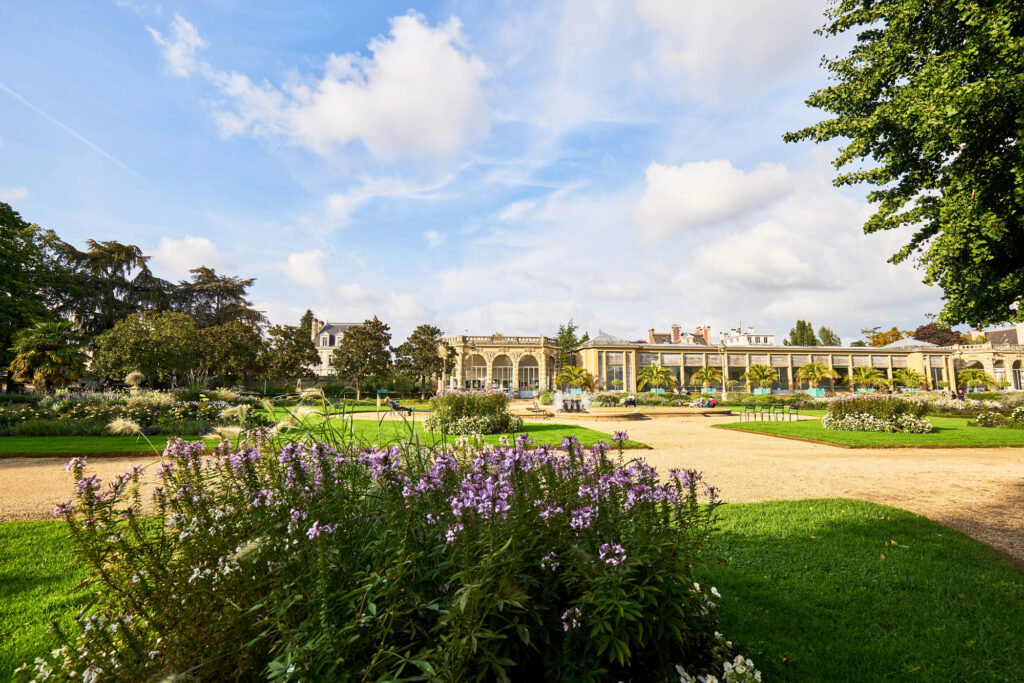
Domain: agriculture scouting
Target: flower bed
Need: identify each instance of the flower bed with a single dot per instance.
(472, 412)
(860, 422)
(1014, 420)
(302, 561)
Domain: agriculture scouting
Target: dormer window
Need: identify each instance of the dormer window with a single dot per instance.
(323, 340)
(332, 340)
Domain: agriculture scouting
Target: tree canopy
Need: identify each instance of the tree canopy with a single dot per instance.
(929, 102)
(288, 352)
(802, 334)
(364, 352)
(567, 340)
(48, 354)
(424, 355)
(214, 299)
(161, 345)
(826, 337)
(883, 338)
(939, 334)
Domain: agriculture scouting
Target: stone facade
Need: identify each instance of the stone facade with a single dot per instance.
(524, 366)
(326, 338)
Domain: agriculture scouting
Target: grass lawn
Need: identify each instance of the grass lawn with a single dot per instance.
(367, 431)
(806, 593)
(38, 577)
(948, 432)
(815, 590)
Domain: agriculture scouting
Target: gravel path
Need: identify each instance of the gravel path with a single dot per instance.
(978, 491)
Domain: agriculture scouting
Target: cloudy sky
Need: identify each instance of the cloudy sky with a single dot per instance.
(481, 166)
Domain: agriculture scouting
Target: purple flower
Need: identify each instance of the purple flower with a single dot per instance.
(549, 561)
(613, 554)
(582, 518)
(452, 533)
(64, 509)
(74, 463)
(86, 484)
(619, 437)
(317, 529)
(570, 618)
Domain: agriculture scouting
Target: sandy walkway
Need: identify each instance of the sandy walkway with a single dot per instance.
(979, 491)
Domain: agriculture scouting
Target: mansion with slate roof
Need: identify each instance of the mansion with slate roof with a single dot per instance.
(527, 365)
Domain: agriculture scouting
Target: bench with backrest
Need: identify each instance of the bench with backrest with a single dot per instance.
(538, 411)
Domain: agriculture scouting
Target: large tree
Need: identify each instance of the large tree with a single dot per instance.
(424, 355)
(826, 337)
(26, 266)
(939, 334)
(928, 106)
(802, 334)
(49, 355)
(567, 341)
(214, 299)
(288, 352)
(886, 337)
(655, 376)
(364, 352)
(232, 352)
(162, 345)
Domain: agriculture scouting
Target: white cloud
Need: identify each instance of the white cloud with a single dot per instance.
(617, 291)
(769, 256)
(342, 205)
(516, 210)
(12, 194)
(733, 47)
(180, 50)
(434, 238)
(418, 95)
(178, 257)
(704, 193)
(307, 268)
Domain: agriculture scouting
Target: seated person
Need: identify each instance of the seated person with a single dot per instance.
(398, 407)
(712, 403)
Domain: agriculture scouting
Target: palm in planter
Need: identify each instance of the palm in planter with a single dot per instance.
(814, 373)
(866, 377)
(707, 376)
(49, 355)
(576, 377)
(973, 378)
(654, 376)
(760, 375)
(911, 378)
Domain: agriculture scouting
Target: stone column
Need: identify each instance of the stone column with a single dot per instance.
(544, 372)
(489, 378)
(515, 377)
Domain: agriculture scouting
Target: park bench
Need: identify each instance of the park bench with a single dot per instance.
(535, 409)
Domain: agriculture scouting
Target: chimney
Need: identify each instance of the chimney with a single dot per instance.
(675, 334)
(1020, 332)
(650, 336)
(750, 329)
(315, 328)
(707, 334)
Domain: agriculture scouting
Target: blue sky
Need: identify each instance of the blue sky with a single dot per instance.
(481, 166)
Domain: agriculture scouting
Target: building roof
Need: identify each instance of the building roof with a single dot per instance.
(605, 339)
(909, 344)
(336, 328)
(1003, 336)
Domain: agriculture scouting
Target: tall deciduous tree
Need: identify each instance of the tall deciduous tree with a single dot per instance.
(930, 98)
(364, 352)
(288, 352)
(48, 354)
(939, 334)
(26, 266)
(161, 345)
(567, 340)
(802, 334)
(826, 337)
(424, 355)
(231, 352)
(883, 338)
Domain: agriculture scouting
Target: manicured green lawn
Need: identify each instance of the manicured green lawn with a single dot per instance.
(806, 593)
(815, 590)
(38, 577)
(367, 431)
(948, 432)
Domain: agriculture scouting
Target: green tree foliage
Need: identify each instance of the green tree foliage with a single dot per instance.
(826, 337)
(26, 265)
(232, 352)
(707, 376)
(48, 354)
(424, 355)
(814, 373)
(567, 341)
(288, 352)
(866, 377)
(655, 376)
(911, 378)
(159, 344)
(930, 99)
(939, 334)
(576, 377)
(883, 338)
(802, 334)
(306, 322)
(975, 378)
(760, 375)
(364, 352)
(859, 342)
(213, 299)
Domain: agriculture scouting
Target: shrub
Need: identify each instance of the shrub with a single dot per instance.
(461, 412)
(11, 399)
(547, 398)
(302, 561)
(882, 407)
(862, 422)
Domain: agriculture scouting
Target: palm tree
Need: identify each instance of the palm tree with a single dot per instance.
(813, 373)
(866, 377)
(49, 355)
(707, 376)
(910, 378)
(654, 376)
(974, 378)
(760, 375)
(576, 377)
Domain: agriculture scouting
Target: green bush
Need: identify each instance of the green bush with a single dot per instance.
(464, 412)
(547, 398)
(11, 399)
(881, 407)
(303, 562)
